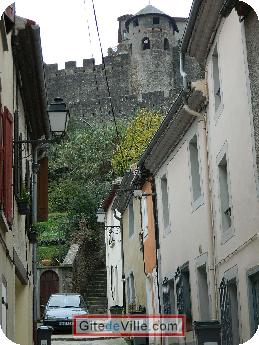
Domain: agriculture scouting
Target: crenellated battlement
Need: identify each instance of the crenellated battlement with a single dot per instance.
(89, 66)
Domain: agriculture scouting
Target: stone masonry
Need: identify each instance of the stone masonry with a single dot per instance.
(138, 76)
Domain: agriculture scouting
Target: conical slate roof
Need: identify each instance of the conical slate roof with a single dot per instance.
(149, 9)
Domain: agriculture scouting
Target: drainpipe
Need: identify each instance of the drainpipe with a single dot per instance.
(212, 245)
(182, 72)
(122, 262)
(158, 254)
(34, 246)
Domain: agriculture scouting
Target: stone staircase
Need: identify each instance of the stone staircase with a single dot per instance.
(96, 292)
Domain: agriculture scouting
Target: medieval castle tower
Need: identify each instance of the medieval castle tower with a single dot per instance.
(143, 71)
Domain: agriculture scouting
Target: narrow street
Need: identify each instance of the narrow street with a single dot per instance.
(61, 339)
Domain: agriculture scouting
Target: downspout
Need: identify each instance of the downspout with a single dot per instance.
(212, 258)
(182, 71)
(122, 261)
(34, 245)
(157, 241)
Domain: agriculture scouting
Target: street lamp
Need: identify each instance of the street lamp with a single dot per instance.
(58, 117)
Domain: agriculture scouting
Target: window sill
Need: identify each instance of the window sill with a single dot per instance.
(227, 235)
(197, 203)
(218, 112)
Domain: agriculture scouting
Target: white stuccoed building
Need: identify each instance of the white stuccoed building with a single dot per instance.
(113, 247)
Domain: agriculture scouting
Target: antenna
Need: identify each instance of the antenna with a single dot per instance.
(149, 2)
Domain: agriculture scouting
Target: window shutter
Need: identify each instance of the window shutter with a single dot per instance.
(43, 190)
(1, 158)
(8, 165)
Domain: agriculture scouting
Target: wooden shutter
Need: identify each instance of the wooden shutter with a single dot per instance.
(43, 190)
(1, 159)
(8, 165)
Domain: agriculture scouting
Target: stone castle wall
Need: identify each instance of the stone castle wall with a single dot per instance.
(137, 78)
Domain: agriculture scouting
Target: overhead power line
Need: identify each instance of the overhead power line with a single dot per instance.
(107, 83)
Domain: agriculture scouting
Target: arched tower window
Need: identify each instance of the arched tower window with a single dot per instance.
(145, 43)
(166, 44)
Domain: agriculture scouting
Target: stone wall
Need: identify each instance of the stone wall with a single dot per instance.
(135, 77)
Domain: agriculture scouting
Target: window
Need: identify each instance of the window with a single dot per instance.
(183, 293)
(254, 284)
(144, 216)
(165, 201)
(145, 43)
(125, 34)
(232, 286)
(216, 79)
(131, 288)
(6, 163)
(195, 169)
(166, 44)
(169, 299)
(18, 177)
(4, 306)
(135, 22)
(224, 194)
(156, 20)
(203, 293)
(131, 218)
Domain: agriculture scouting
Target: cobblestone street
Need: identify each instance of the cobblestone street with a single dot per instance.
(69, 340)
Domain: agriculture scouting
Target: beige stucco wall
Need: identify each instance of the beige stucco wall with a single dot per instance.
(19, 314)
(133, 256)
(230, 129)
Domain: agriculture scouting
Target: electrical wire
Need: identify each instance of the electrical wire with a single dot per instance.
(94, 69)
(108, 88)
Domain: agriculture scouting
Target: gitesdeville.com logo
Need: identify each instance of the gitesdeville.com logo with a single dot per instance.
(129, 325)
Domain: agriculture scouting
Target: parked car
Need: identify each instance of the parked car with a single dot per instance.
(61, 308)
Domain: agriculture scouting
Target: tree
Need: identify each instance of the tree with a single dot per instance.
(137, 137)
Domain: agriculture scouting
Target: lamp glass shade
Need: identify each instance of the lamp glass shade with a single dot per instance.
(58, 117)
(100, 215)
(58, 122)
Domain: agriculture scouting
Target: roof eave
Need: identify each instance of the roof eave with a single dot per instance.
(197, 42)
(28, 57)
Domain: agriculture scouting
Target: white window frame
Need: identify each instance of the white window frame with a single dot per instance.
(131, 202)
(144, 216)
(167, 228)
(196, 203)
(226, 234)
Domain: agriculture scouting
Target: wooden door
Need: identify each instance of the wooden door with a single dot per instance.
(49, 284)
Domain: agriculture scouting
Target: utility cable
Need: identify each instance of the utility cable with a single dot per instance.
(108, 86)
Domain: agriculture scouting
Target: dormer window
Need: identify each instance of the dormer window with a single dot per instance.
(135, 22)
(145, 43)
(156, 20)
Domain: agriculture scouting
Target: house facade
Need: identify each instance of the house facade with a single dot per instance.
(232, 118)
(132, 245)
(113, 244)
(203, 164)
(23, 117)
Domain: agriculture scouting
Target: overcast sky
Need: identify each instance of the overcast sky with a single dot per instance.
(64, 24)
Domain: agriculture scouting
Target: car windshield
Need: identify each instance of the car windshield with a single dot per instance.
(65, 301)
